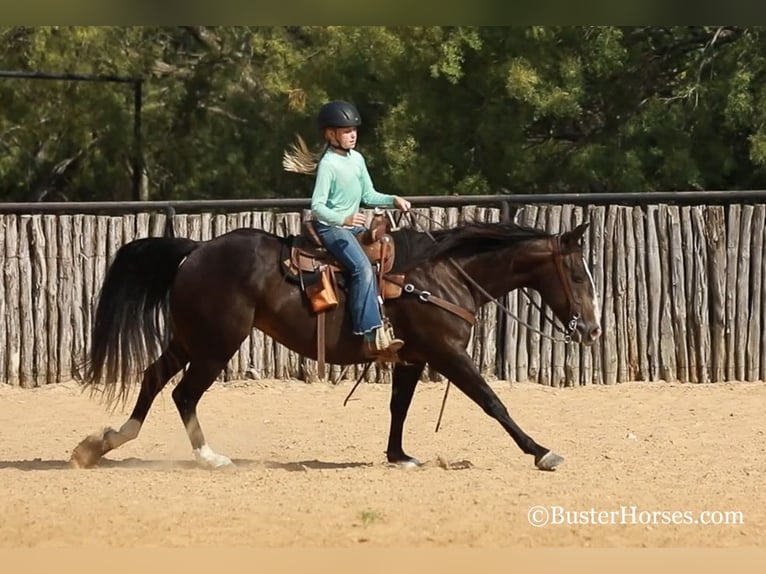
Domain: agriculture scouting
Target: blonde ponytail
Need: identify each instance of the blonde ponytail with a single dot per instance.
(299, 159)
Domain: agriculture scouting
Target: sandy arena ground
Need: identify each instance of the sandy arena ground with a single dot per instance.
(312, 473)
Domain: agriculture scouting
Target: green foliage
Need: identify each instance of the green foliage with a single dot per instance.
(467, 110)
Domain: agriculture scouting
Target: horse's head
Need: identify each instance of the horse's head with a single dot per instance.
(566, 285)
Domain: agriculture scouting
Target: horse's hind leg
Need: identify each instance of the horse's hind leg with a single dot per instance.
(403, 385)
(156, 376)
(186, 395)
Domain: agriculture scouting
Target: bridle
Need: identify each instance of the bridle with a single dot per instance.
(426, 297)
(567, 330)
(566, 283)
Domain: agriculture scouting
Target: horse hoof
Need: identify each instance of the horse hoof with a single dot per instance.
(407, 463)
(210, 460)
(82, 458)
(89, 451)
(549, 461)
(220, 462)
(217, 465)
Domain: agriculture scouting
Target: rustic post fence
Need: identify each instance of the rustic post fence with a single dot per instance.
(680, 278)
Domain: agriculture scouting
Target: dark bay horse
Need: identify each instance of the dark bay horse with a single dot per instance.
(194, 302)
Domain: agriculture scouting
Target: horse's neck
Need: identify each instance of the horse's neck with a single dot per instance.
(499, 272)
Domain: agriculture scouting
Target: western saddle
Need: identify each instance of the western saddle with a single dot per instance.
(314, 268)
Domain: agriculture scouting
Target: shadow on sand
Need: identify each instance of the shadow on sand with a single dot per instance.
(239, 463)
(303, 465)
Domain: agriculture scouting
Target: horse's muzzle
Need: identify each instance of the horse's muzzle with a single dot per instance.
(586, 333)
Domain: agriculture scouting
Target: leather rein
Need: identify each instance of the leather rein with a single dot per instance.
(466, 315)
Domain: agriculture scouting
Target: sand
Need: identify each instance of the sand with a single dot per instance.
(646, 464)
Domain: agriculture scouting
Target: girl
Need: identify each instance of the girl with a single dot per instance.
(342, 185)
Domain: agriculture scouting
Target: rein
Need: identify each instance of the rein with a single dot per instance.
(570, 327)
(466, 315)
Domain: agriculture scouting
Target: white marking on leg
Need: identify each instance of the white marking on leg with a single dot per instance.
(206, 458)
(127, 432)
(130, 429)
(204, 455)
(596, 304)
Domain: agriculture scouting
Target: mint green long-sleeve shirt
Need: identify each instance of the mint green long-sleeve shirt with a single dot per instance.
(342, 185)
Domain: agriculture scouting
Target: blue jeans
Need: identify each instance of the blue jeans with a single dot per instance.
(362, 288)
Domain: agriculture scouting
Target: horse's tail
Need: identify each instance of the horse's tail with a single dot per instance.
(131, 317)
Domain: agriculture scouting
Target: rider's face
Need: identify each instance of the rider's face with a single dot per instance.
(345, 137)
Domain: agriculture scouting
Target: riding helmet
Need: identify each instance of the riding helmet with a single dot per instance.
(338, 114)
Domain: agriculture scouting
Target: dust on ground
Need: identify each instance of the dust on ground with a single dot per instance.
(646, 464)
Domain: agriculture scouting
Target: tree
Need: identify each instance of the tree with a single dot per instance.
(445, 109)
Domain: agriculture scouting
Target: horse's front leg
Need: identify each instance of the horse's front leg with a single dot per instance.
(459, 368)
(405, 379)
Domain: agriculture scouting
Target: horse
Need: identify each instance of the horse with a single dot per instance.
(192, 303)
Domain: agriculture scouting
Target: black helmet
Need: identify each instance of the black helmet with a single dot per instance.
(338, 114)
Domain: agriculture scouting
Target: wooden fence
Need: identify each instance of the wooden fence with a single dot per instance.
(681, 290)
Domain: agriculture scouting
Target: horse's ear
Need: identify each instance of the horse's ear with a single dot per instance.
(573, 238)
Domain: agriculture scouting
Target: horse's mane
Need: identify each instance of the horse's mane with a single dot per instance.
(468, 239)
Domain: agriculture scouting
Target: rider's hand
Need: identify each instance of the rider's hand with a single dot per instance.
(356, 220)
(402, 203)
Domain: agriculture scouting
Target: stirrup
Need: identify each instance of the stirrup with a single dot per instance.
(385, 341)
(386, 355)
(384, 347)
